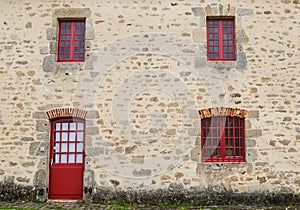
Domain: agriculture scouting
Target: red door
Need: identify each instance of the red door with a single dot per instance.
(66, 158)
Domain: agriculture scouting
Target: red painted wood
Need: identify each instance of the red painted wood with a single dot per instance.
(223, 139)
(71, 42)
(66, 159)
(218, 32)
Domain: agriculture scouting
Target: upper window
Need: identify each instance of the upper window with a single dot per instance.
(220, 39)
(71, 45)
(222, 139)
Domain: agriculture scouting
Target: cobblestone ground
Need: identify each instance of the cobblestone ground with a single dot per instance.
(85, 206)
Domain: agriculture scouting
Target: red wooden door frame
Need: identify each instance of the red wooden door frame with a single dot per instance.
(67, 156)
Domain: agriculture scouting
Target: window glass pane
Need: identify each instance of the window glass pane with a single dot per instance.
(79, 158)
(216, 23)
(71, 147)
(79, 147)
(68, 44)
(63, 158)
(71, 158)
(57, 126)
(57, 147)
(80, 126)
(68, 49)
(76, 49)
(216, 49)
(82, 50)
(62, 50)
(68, 56)
(72, 136)
(237, 152)
(236, 132)
(62, 56)
(72, 126)
(57, 136)
(216, 30)
(64, 126)
(56, 158)
(64, 147)
(81, 37)
(81, 44)
(64, 136)
(81, 56)
(79, 136)
(75, 56)
(229, 36)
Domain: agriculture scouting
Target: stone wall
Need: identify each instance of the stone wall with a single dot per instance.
(144, 79)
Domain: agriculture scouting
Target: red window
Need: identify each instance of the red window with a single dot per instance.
(68, 141)
(222, 139)
(220, 39)
(71, 44)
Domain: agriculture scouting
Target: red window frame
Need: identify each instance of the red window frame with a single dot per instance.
(71, 42)
(67, 141)
(220, 39)
(223, 139)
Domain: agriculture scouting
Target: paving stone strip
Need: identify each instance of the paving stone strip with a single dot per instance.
(91, 206)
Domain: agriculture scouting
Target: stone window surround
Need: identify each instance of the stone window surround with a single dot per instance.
(50, 62)
(223, 11)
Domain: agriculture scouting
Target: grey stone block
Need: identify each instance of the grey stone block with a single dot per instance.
(49, 63)
(244, 12)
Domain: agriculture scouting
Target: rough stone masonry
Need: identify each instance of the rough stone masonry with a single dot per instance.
(144, 79)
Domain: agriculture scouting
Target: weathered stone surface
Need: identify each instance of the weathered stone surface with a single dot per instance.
(198, 11)
(145, 72)
(244, 12)
(253, 133)
(51, 34)
(242, 60)
(49, 63)
(177, 194)
(72, 13)
(42, 125)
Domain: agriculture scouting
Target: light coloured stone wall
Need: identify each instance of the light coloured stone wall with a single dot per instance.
(143, 81)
